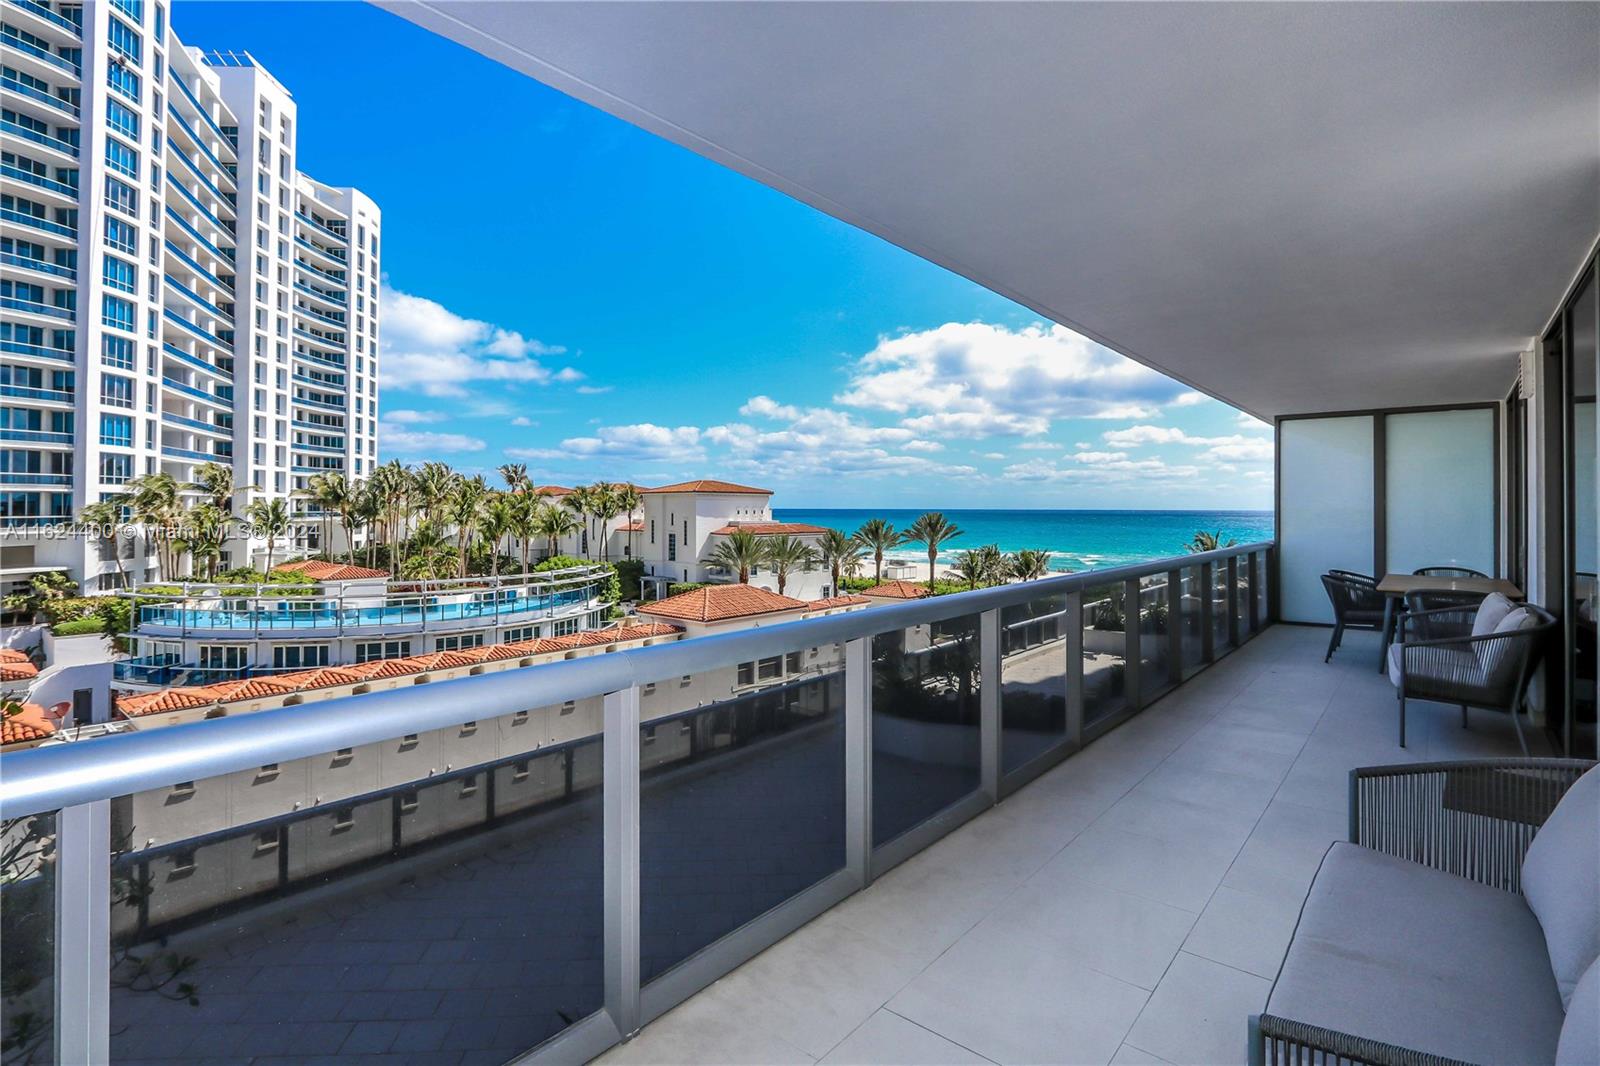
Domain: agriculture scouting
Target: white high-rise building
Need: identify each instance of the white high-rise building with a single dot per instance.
(174, 290)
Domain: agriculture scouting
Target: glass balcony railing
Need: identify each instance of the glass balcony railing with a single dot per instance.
(72, 26)
(12, 40)
(40, 265)
(59, 187)
(27, 133)
(23, 392)
(25, 219)
(38, 350)
(35, 307)
(12, 85)
(548, 858)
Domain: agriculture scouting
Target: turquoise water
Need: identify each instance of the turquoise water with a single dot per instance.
(1077, 540)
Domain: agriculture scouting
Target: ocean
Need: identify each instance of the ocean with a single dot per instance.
(1077, 540)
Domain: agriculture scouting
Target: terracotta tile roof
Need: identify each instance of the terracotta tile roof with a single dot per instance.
(319, 570)
(11, 655)
(550, 490)
(177, 699)
(837, 601)
(897, 590)
(17, 671)
(321, 677)
(380, 668)
(708, 485)
(168, 699)
(771, 529)
(636, 526)
(30, 723)
(718, 603)
(249, 688)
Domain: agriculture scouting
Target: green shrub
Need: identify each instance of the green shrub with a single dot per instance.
(685, 586)
(68, 609)
(78, 627)
(561, 562)
(629, 573)
(855, 584)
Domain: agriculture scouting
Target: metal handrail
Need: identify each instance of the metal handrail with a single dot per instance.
(55, 776)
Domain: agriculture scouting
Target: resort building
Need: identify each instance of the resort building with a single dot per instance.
(1121, 815)
(175, 291)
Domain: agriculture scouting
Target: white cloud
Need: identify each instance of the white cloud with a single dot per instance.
(412, 418)
(767, 407)
(1151, 472)
(1098, 457)
(922, 446)
(422, 443)
(640, 442)
(569, 374)
(1246, 420)
(593, 390)
(430, 349)
(976, 380)
(1041, 446)
(523, 420)
(993, 455)
(1233, 448)
(1188, 399)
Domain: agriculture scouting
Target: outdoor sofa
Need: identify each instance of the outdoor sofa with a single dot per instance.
(1446, 931)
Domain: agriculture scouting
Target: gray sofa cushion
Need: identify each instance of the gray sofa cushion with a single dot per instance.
(1580, 1037)
(1561, 879)
(1457, 663)
(1493, 608)
(1391, 950)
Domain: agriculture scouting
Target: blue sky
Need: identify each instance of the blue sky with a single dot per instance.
(568, 291)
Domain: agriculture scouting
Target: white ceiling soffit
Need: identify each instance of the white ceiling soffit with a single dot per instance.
(1294, 207)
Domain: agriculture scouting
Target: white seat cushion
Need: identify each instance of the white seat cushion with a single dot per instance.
(1561, 880)
(1493, 608)
(1395, 951)
(1580, 1036)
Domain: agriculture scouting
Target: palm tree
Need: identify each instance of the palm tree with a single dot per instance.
(878, 536)
(738, 552)
(105, 518)
(515, 475)
(931, 530)
(499, 516)
(154, 502)
(330, 493)
(430, 555)
(785, 554)
(466, 511)
(1029, 564)
(971, 568)
(605, 505)
(1208, 542)
(367, 510)
(553, 523)
(524, 524)
(271, 520)
(841, 554)
(580, 501)
(205, 532)
(629, 500)
(433, 486)
(215, 482)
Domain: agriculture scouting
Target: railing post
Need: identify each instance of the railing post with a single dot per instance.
(858, 759)
(1208, 625)
(83, 933)
(1130, 633)
(1175, 626)
(1255, 591)
(620, 790)
(989, 656)
(1232, 600)
(1072, 619)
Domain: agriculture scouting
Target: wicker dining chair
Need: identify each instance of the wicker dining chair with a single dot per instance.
(1356, 604)
(1447, 571)
(1490, 672)
(1444, 624)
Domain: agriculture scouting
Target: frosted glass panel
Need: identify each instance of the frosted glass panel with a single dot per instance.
(1325, 518)
(1583, 508)
(1440, 472)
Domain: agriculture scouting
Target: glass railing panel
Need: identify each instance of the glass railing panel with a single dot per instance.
(1263, 604)
(1155, 642)
(1033, 680)
(436, 894)
(28, 936)
(1242, 595)
(1220, 599)
(1191, 619)
(1105, 653)
(742, 796)
(926, 752)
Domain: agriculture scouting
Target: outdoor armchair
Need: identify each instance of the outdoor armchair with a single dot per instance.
(1356, 603)
(1483, 662)
(1447, 571)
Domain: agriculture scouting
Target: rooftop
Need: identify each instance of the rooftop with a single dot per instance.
(897, 590)
(711, 486)
(321, 570)
(719, 603)
(771, 529)
(30, 723)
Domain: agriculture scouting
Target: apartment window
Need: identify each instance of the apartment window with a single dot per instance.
(371, 651)
(520, 718)
(120, 196)
(122, 78)
(224, 657)
(116, 391)
(121, 158)
(116, 312)
(519, 770)
(469, 786)
(183, 861)
(116, 431)
(564, 627)
(769, 669)
(344, 818)
(746, 674)
(652, 531)
(120, 274)
(124, 39)
(122, 236)
(299, 656)
(161, 24)
(672, 547)
(512, 636)
(117, 352)
(458, 641)
(134, 9)
(123, 119)
(116, 469)
(266, 840)
(792, 662)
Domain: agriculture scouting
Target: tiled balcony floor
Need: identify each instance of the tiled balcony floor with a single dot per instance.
(1131, 906)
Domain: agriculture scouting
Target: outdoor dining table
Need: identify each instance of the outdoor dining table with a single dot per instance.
(1394, 588)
